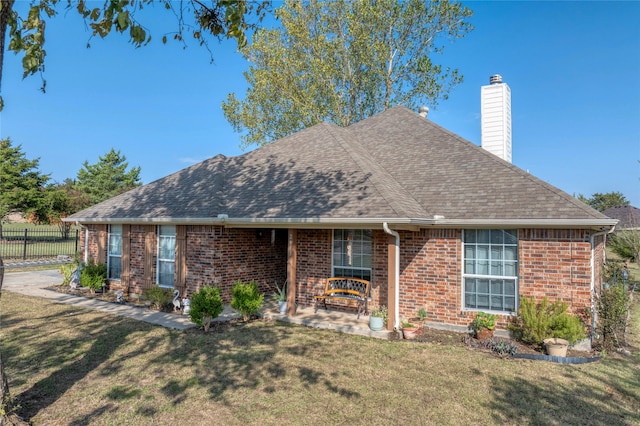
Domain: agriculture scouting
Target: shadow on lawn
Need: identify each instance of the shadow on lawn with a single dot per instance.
(232, 356)
(523, 401)
(102, 338)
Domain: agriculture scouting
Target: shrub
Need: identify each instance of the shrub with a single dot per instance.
(206, 305)
(613, 307)
(536, 322)
(246, 298)
(93, 275)
(159, 297)
(568, 327)
(67, 273)
(501, 347)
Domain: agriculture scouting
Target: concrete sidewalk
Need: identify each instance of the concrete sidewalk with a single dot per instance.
(36, 283)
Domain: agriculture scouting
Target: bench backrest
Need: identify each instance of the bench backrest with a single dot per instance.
(347, 285)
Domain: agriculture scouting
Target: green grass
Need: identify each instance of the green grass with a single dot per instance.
(43, 242)
(68, 365)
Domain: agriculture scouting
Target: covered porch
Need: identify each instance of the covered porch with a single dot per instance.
(330, 319)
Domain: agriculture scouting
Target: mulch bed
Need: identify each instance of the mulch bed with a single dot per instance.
(426, 334)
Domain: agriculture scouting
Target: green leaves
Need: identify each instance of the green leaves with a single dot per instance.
(343, 61)
(106, 178)
(223, 18)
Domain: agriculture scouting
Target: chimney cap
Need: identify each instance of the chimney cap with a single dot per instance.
(495, 79)
(423, 111)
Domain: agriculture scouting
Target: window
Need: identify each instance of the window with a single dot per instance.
(490, 269)
(114, 257)
(166, 255)
(352, 253)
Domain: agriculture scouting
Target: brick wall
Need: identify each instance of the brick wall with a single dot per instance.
(430, 276)
(556, 264)
(553, 263)
(214, 256)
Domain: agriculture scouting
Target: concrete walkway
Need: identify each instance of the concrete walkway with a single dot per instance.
(36, 283)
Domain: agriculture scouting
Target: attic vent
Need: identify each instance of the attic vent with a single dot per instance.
(423, 111)
(495, 79)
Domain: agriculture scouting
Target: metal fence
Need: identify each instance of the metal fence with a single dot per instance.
(37, 244)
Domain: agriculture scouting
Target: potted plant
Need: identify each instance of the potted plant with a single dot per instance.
(483, 325)
(422, 315)
(281, 296)
(410, 330)
(378, 318)
(565, 330)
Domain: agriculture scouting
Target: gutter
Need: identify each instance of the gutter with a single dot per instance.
(593, 280)
(315, 222)
(396, 324)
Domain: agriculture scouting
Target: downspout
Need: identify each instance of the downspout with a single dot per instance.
(396, 323)
(593, 279)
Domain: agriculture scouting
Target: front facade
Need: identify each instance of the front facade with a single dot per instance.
(434, 223)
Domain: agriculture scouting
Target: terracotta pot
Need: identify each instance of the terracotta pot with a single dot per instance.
(410, 332)
(484, 333)
(556, 346)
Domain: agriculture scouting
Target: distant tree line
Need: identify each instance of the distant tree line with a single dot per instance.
(24, 189)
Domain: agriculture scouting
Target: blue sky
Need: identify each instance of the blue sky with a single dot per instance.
(573, 69)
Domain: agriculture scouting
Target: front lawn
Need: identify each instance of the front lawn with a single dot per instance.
(71, 366)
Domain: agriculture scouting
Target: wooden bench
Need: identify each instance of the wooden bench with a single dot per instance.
(347, 289)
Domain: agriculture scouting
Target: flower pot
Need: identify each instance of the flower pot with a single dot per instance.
(283, 307)
(556, 346)
(376, 323)
(410, 332)
(484, 333)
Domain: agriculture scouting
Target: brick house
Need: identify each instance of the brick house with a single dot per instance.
(430, 219)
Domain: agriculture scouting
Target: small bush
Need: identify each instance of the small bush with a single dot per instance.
(67, 273)
(93, 275)
(568, 327)
(159, 297)
(613, 308)
(246, 298)
(206, 305)
(502, 347)
(536, 322)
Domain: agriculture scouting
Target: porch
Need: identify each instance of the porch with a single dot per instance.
(330, 319)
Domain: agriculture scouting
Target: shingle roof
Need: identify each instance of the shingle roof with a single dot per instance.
(395, 166)
(628, 216)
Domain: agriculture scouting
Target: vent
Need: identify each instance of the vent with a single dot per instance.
(495, 79)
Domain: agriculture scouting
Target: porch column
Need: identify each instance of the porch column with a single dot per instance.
(391, 281)
(292, 254)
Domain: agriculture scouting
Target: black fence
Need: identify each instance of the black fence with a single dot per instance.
(37, 244)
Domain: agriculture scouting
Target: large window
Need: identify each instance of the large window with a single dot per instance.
(114, 258)
(352, 253)
(490, 269)
(166, 255)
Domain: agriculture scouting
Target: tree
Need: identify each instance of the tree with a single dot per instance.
(602, 202)
(626, 244)
(219, 18)
(342, 61)
(21, 184)
(106, 178)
